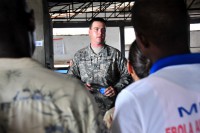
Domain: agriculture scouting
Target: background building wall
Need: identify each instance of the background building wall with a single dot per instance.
(37, 6)
(66, 46)
(195, 41)
(72, 43)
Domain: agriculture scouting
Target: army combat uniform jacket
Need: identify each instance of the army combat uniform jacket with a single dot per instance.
(107, 68)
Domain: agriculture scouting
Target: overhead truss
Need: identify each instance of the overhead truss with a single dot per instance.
(84, 11)
(119, 10)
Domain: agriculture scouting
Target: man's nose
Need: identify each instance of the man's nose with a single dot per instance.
(100, 31)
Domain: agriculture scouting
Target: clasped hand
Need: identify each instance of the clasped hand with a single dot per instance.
(109, 92)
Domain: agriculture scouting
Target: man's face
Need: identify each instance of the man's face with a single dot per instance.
(97, 33)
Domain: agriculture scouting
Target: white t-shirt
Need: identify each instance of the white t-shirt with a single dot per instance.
(168, 101)
(36, 100)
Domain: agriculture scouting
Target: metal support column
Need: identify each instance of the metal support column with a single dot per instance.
(48, 37)
(122, 41)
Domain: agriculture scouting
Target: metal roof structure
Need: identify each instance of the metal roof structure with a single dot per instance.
(84, 11)
(74, 13)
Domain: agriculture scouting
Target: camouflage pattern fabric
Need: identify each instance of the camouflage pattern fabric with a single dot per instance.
(104, 103)
(107, 68)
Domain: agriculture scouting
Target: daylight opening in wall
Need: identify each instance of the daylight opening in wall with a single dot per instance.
(70, 31)
(195, 27)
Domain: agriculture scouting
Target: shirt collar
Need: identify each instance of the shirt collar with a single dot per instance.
(100, 53)
(175, 60)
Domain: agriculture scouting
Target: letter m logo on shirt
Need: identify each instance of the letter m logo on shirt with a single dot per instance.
(183, 111)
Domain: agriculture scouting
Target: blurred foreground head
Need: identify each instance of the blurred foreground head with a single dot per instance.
(16, 29)
(161, 27)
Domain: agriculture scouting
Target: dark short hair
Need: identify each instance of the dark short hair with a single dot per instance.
(163, 22)
(16, 15)
(13, 9)
(96, 19)
(138, 61)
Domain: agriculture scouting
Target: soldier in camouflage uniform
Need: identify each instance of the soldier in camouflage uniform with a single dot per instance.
(99, 65)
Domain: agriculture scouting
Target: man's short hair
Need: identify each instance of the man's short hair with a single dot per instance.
(96, 19)
(163, 22)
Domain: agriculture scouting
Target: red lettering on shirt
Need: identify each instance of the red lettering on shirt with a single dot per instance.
(197, 125)
(173, 130)
(182, 129)
(190, 127)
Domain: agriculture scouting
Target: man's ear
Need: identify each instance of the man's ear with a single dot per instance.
(31, 21)
(31, 29)
(143, 40)
(129, 67)
(89, 32)
(131, 71)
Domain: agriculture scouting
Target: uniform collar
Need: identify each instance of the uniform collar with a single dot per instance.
(100, 53)
(175, 60)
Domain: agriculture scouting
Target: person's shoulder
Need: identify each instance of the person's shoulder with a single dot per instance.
(64, 78)
(141, 86)
(113, 51)
(82, 51)
(55, 80)
(112, 48)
